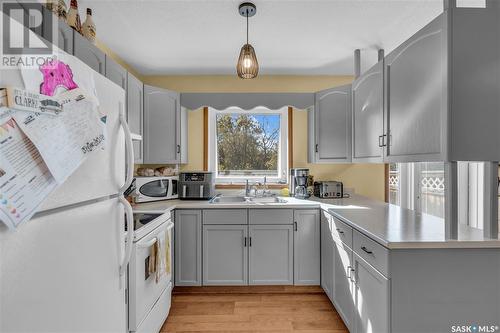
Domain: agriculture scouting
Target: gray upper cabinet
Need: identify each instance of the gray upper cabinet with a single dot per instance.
(188, 247)
(225, 255)
(89, 54)
(307, 247)
(441, 90)
(135, 113)
(271, 254)
(368, 115)
(417, 100)
(64, 35)
(162, 118)
(331, 140)
(116, 73)
(372, 298)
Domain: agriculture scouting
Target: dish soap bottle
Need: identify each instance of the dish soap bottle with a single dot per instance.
(73, 16)
(88, 27)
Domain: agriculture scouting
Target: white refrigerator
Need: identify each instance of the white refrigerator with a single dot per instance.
(65, 269)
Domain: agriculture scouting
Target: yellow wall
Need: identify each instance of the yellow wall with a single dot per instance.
(366, 179)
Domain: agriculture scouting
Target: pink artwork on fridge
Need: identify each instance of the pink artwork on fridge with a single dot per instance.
(56, 74)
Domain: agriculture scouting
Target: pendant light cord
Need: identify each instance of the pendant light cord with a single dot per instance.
(247, 26)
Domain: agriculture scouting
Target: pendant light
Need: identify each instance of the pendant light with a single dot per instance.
(247, 66)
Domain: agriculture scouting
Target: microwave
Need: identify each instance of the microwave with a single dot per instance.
(156, 188)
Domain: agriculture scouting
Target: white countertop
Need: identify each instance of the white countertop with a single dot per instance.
(390, 225)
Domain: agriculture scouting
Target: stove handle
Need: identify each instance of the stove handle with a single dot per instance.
(148, 244)
(130, 235)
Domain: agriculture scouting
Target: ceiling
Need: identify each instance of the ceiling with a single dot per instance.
(291, 37)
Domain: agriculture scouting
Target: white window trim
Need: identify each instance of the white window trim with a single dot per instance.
(283, 143)
(470, 191)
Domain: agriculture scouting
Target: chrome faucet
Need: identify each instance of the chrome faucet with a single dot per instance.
(247, 189)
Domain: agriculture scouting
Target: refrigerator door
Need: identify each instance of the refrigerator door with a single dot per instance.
(103, 172)
(60, 272)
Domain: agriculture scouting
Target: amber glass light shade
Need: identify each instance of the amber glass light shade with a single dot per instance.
(247, 66)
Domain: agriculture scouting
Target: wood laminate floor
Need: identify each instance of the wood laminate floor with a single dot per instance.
(252, 309)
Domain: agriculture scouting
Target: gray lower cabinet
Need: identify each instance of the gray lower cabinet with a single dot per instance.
(343, 286)
(271, 254)
(135, 109)
(331, 139)
(116, 73)
(327, 249)
(162, 121)
(372, 298)
(89, 53)
(368, 115)
(306, 247)
(188, 248)
(225, 255)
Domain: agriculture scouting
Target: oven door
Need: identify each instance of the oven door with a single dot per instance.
(157, 189)
(145, 289)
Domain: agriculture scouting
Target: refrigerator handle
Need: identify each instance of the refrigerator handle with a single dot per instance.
(129, 153)
(130, 234)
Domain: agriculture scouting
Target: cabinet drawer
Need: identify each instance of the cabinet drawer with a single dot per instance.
(225, 216)
(342, 231)
(270, 216)
(372, 252)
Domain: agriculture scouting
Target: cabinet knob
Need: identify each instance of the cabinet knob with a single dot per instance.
(178, 149)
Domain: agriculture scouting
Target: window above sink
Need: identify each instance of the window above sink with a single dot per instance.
(248, 144)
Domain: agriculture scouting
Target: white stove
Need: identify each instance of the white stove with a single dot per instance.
(149, 296)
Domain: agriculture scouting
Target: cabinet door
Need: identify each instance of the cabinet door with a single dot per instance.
(135, 100)
(270, 254)
(372, 298)
(161, 126)
(116, 73)
(327, 248)
(188, 247)
(368, 115)
(332, 119)
(343, 288)
(416, 91)
(89, 53)
(225, 255)
(64, 34)
(306, 247)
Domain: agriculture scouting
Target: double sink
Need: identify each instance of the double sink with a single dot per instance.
(245, 200)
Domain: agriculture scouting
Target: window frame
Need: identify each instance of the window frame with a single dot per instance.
(283, 145)
(470, 191)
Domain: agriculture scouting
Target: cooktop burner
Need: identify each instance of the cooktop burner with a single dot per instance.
(141, 219)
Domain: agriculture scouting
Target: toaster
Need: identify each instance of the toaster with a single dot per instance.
(329, 189)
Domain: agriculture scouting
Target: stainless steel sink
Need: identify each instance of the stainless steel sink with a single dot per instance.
(228, 199)
(245, 200)
(267, 200)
